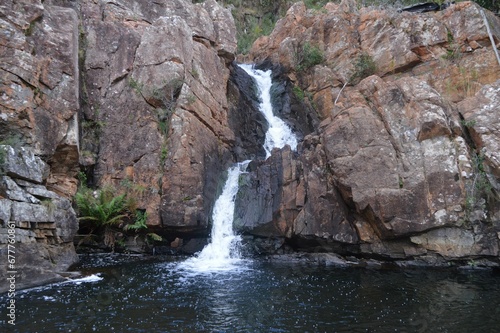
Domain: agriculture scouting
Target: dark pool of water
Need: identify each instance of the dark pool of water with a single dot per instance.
(146, 296)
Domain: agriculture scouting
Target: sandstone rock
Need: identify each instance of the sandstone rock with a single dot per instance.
(454, 242)
(5, 209)
(322, 210)
(402, 141)
(168, 72)
(40, 81)
(480, 114)
(10, 190)
(65, 219)
(39, 264)
(40, 192)
(22, 212)
(22, 163)
(224, 27)
(43, 223)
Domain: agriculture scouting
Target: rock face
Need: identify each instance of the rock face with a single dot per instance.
(156, 78)
(397, 114)
(39, 84)
(404, 163)
(39, 104)
(38, 225)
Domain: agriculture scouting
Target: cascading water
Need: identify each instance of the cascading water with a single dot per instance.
(279, 134)
(222, 253)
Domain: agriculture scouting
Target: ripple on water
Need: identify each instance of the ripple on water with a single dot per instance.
(263, 297)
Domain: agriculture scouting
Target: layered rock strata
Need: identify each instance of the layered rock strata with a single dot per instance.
(37, 225)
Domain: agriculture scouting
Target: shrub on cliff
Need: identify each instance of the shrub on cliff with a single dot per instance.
(308, 56)
(103, 209)
(363, 67)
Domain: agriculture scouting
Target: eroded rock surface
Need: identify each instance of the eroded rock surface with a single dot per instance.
(403, 164)
(156, 78)
(37, 225)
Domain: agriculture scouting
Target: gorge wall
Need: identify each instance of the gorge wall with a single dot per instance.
(404, 164)
(145, 96)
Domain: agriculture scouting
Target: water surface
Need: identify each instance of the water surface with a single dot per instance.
(261, 296)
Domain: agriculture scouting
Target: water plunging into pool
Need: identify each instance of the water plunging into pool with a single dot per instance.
(223, 251)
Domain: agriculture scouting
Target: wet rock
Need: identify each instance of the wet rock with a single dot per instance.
(248, 124)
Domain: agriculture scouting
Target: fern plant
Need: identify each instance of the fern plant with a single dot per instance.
(140, 222)
(103, 209)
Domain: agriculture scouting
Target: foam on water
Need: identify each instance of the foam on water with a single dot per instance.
(222, 253)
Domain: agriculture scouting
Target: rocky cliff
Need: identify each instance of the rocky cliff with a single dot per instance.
(136, 94)
(39, 108)
(404, 162)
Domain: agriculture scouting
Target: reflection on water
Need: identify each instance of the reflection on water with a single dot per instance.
(266, 297)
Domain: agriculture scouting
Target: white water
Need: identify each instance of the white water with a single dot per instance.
(279, 134)
(222, 253)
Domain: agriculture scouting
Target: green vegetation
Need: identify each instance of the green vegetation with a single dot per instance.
(251, 28)
(164, 155)
(315, 4)
(465, 84)
(363, 67)
(493, 5)
(480, 190)
(308, 56)
(191, 99)
(2, 160)
(102, 207)
(31, 28)
(453, 49)
(468, 123)
(136, 85)
(195, 73)
(299, 93)
(140, 222)
(49, 205)
(105, 212)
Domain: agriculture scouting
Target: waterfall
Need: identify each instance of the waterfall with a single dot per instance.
(279, 134)
(222, 253)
